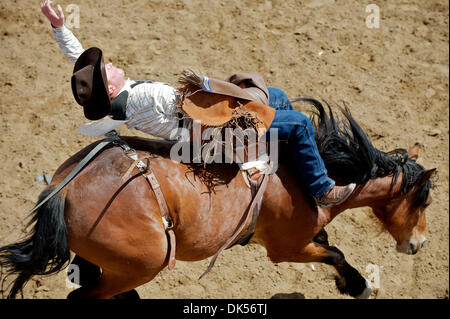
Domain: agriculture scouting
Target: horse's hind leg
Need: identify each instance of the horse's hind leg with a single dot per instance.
(127, 267)
(116, 285)
(113, 285)
(89, 275)
(88, 272)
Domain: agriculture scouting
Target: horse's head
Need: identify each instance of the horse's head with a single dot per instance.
(404, 214)
(398, 188)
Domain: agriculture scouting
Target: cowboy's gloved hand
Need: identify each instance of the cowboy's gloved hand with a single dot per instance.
(56, 19)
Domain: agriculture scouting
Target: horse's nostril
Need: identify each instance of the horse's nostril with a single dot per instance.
(423, 243)
(412, 248)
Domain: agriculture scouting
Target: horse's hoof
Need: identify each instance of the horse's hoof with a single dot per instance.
(366, 292)
(357, 287)
(77, 294)
(341, 284)
(130, 295)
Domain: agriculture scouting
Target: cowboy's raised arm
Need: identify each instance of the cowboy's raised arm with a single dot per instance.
(68, 43)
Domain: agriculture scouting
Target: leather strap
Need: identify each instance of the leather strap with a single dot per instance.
(132, 166)
(254, 184)
(167, 219)
(153, 181)
(150, 176)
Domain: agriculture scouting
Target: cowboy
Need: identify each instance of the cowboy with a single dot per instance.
(151, 107)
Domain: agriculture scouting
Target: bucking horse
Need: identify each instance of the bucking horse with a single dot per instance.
(115, 225)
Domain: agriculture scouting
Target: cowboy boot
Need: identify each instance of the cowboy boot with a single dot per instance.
(335, 196)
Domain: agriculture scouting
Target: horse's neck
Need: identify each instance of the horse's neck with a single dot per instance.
(375, 192)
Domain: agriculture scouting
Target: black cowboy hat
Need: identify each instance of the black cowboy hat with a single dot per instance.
(90, 85)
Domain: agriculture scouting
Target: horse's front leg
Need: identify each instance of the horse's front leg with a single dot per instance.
(349, 280)
(322, 237)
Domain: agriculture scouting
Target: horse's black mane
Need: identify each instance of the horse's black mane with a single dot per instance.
(350, 157)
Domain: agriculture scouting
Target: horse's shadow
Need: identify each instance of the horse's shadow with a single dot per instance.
(294, 295)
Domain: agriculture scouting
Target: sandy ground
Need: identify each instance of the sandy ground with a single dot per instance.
(393, 78)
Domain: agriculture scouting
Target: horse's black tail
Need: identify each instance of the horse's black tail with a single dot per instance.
(44, 251)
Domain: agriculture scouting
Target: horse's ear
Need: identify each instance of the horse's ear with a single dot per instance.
(413, 153)
(428, 175)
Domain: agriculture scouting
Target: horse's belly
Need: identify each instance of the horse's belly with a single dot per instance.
(205, 227)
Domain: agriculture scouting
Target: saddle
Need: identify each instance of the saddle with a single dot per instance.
(217, 103)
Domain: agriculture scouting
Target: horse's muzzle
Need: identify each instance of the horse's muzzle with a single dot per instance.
(411, 247)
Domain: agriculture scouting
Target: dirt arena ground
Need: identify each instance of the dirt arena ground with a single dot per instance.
(393, 78)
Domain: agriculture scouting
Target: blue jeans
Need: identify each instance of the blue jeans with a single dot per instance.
(279, 100)
(296, 128)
